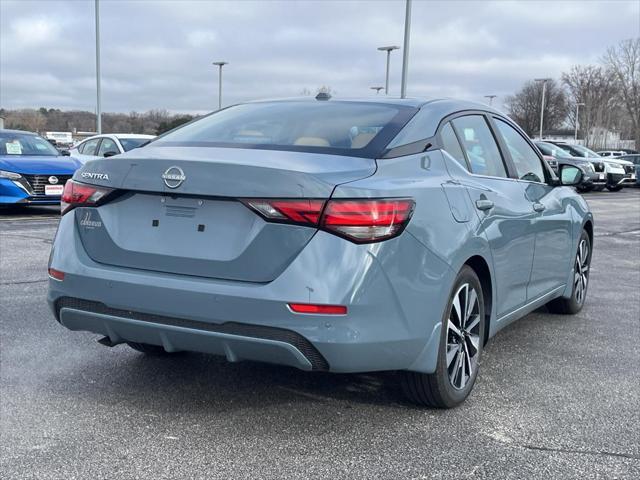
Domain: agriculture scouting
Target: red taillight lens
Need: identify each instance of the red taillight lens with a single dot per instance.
(77, 194)
(301, 211)
(318, 309)
(57, 274)
(358, 220)
(364, 221)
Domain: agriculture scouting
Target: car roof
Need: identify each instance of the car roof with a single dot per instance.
(118, 135)
(131, 135)
(444, 104)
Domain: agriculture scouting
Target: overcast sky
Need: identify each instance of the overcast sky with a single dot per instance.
(158, 54)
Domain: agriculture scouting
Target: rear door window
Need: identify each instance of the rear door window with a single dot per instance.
(527, 162)
(89, 147)
(451, 144)
(480, 146)
(107, 145)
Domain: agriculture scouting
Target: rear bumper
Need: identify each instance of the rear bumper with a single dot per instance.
(393, 319)
(233, 340)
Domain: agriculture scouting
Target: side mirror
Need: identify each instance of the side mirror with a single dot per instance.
(110, 154)
(65, 153)
(570, 175)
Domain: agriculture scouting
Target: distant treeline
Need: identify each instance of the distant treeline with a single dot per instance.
(153, 122)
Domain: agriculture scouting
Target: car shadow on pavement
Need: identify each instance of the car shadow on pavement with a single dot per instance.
(29, 210)
(188, 381)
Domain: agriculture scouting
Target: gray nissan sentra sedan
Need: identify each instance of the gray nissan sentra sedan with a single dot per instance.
(324, 234)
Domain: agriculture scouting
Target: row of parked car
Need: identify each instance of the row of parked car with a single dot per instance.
(33, 171)
(607, 169)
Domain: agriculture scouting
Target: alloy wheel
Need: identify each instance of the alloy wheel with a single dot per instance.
(463, 336)
(581, 275)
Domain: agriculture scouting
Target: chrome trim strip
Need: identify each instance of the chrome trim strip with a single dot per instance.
(17, 183)
(532, 302)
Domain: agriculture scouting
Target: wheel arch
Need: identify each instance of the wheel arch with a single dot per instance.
(481, 268)
(588, 226)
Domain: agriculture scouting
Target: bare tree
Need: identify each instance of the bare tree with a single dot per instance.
(524, 106)
(51, 119)
(592, 86)
(26, 119)
(623, 63)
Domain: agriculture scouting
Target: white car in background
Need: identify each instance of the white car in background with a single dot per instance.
(611, 153)
(61, 139)
(107, 145)
(619, 172)
(625, 167)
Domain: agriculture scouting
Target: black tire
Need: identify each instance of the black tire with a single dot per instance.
(614, 188)
(599, 188)
(148, 349)
(448, 386)
(584, 188)
(570, 306)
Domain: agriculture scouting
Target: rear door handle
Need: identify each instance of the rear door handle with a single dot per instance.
(484, 204)
(539, 207)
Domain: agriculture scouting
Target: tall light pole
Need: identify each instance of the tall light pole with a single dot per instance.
(98, 93)
(220, 65)
(377, 89)
(388, 49)
(490, 97)
(544, 90)
(578, 105)
(405, 49)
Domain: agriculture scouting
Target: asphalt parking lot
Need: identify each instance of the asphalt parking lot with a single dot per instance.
(557, 397)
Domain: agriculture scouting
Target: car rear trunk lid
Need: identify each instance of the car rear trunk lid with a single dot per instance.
(199, 227)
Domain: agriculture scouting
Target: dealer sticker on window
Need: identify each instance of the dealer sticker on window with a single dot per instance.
(13, 148)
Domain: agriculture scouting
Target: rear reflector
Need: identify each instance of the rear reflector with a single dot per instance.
(358, 220)
(80, 194)
(318, 309)
(56, 274)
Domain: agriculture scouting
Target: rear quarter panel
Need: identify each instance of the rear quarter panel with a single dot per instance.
(440, 224)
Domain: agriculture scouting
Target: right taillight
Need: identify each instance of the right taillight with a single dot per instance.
(358, 220)
(80, 194)
(364, 221)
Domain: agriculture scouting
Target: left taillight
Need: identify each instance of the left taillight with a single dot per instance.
(357, 220)
(80, 194)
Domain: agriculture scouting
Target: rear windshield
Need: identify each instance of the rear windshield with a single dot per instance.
(348, 128)
(12, 143)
